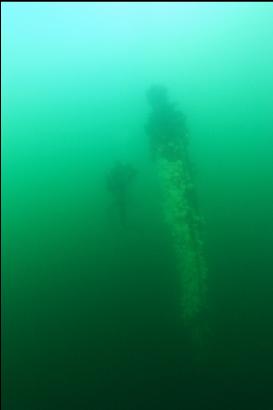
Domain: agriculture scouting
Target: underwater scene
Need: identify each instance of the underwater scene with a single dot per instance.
(137, 205)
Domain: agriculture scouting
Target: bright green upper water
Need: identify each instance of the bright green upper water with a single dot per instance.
(89, 308)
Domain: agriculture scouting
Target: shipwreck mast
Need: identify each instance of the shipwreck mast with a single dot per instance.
(169, 148)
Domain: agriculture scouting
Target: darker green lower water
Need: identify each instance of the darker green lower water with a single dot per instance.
(108, 335)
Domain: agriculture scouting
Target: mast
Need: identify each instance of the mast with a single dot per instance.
(169, 148)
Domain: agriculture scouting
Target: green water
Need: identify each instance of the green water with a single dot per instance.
(90, 315)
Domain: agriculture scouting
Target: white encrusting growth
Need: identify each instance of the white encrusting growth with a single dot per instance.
(184, 228)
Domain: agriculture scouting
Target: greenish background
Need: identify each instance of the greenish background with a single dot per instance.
(89, 309)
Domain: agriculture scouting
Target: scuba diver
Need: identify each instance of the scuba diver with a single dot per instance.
(119, 183)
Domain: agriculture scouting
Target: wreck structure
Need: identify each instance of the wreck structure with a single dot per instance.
(168, 138)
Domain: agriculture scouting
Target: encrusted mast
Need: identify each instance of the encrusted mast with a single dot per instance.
(168, 144)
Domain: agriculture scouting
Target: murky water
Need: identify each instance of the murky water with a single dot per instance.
(91, 295)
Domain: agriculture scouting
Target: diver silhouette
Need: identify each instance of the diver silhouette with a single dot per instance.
(119, 183)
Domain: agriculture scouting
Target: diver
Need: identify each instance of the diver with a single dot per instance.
(119, 183)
